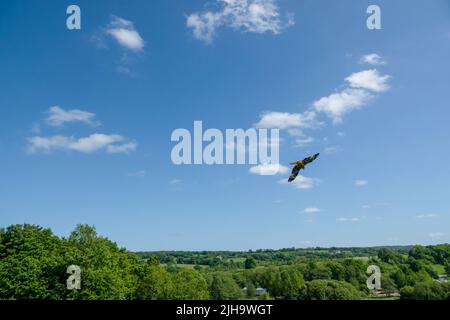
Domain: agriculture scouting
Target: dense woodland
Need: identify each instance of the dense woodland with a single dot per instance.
(33, 263)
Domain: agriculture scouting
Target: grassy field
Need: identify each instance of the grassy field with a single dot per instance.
(440, 269)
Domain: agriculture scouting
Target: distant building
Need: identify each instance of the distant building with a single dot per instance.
(260, 291)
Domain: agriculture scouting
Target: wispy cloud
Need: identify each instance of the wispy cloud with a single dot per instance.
(360, 183)
(175, 181)
(302, 182)
(332, 150)
(294, 123)
(372, 59)
(96, 142)
(269, 169)
(303, 142)
(347, 219)
(138, 174)
(125, 34)
(427, 216)
(127, 147)
(286, 120)
(112, 143)
(57, 116)
(300, 138)
(35, 128)
(256, 16)
(311, 210)
(436, 235)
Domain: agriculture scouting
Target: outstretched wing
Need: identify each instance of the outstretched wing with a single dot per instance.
(310, 159)
(294, 173)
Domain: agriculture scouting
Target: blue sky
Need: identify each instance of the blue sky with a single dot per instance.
(87, 117)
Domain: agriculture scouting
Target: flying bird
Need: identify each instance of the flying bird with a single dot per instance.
(299, 165)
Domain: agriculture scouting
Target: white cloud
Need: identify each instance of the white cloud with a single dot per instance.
(436, 235)
(57, 116)
(122, 148)
(373, 59)
(347, 219)
(95, 142)
(300, 139)
(295, 132)
(38, 143)
(369, 80)
(427, 216)
(355, 96)
(302, 182)
(302, 142)
(337, 104)
(311, 210)
(257, 16)
(204, 25)
(125, 34)
(361, 183)
(286, 120)
(269, 169)
(175, 181)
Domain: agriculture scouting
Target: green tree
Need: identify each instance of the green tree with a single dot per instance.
(250, 263)
(388, 285)
(389, 255)
(318, 270)
(153, 261)
(107, 272)
(190, 285)
(425, 291)
(291, 283)
(251, 290)
(32, 263)
(265, 296)
(329, 290)
(337, 270)
(155, 284)
(223, 287)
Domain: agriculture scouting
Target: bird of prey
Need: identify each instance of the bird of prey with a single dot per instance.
(299, 165)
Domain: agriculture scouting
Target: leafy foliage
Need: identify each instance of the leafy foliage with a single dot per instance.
(33, 263)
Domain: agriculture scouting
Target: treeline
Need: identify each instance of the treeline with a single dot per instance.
(215, 258)
(33, 263)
